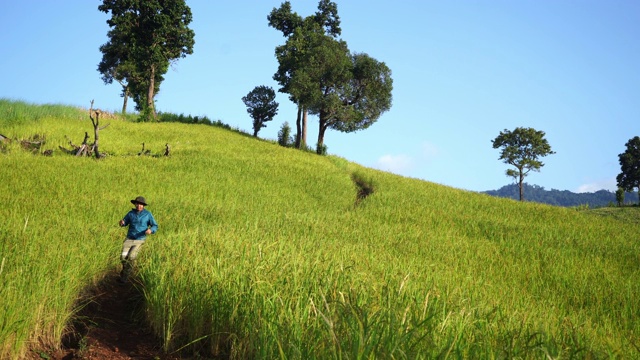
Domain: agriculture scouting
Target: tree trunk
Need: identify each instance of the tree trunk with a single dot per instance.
(321, 129)
(96, 130)
(521, 185)
(125, 92)
(304, 128)
(150, 92)
(299, 128)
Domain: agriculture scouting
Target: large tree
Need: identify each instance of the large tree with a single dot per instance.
(348, 92)
(629, 177)
(117, 65)
(145, 37)
(522, 149)
(287, 21)
(261, 106)
(359, 101)
(310, 63)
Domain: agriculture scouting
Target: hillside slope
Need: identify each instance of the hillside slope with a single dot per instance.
(262, 252)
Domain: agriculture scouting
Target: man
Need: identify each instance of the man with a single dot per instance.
(141, 223)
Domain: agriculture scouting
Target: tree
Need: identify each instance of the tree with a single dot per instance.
(361, 100)
(116, 65)
(286, 21)
(629, 177)
(261, 105)
(146, 36)
(620, 196)
(307, 75)
(521, 148)
(347, 92)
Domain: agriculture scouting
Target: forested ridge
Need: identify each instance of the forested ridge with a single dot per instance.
(536, 193)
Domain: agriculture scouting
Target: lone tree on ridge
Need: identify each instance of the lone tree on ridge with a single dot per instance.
(629, 177)
(521, 148)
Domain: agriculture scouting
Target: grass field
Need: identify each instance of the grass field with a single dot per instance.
(263, 253)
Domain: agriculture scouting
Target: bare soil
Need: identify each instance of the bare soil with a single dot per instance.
(110, 326)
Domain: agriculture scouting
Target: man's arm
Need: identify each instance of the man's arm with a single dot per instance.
(125, 220)
(153, 224)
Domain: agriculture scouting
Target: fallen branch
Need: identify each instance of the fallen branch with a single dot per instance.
(144, 152)
(84, 149)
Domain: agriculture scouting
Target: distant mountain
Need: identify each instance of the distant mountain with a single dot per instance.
(537, 193)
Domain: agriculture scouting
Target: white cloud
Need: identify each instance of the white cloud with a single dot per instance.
(429, 150)
(403, 164)
(604, 184)
(396, 164)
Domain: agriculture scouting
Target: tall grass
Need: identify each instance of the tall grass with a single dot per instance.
(14, 113)
(265, 252)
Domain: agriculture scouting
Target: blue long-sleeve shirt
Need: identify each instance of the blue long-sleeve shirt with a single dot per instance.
(138, 223)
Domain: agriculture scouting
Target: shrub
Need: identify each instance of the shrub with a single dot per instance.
(321, 149)
(366, 186)
(284, 135)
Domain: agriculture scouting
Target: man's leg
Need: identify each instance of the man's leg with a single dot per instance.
(130, 249)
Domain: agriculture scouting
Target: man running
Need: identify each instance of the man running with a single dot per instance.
(141, 223)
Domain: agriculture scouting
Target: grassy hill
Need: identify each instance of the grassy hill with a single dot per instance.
(263, 253)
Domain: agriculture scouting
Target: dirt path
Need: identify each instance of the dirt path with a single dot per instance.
(110, 327)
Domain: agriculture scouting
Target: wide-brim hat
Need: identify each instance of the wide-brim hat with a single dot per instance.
(139, 200)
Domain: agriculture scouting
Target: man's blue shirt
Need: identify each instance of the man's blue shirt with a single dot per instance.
(138, 223)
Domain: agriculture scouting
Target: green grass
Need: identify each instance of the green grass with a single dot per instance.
(627, 214)
(262, 252)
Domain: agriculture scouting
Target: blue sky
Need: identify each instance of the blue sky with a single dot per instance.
(463, 71)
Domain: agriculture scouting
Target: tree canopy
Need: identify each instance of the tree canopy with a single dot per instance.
(116, 65)
(629, 177)
(145, 37)
(261, 106)
(522, 149)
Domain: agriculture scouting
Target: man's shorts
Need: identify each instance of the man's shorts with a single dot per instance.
(130, 249)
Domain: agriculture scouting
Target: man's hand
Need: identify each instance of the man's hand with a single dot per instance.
(148, 232)
(121, 223)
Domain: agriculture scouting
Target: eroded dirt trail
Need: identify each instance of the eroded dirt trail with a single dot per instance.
(110, 327)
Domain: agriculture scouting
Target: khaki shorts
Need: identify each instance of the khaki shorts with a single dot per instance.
(130, 249)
